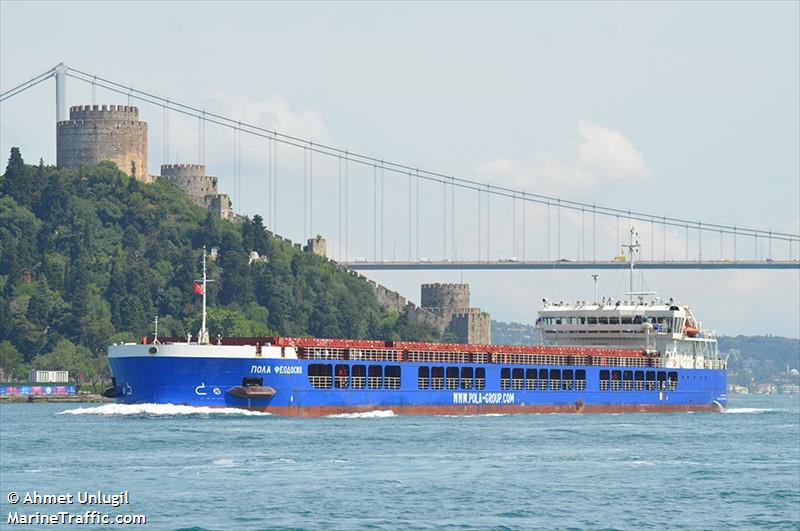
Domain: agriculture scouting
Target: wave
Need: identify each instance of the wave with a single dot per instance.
(749, 410)
(159, 410)
(381, 413)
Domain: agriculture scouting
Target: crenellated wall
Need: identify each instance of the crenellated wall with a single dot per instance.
(95, 133)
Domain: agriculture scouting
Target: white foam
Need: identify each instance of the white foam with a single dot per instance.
(223, 462)
(748, 410)
(158, 410)
(364, 415)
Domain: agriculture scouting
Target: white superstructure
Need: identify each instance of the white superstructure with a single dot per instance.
(666, 329)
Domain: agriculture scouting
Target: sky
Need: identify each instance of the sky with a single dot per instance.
(682, 109)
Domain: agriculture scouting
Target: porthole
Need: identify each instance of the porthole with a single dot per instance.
(153, 350)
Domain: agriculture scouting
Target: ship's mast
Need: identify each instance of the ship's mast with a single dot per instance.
(633, 248)
(202, 336)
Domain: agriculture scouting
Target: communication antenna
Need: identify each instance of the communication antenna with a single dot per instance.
(595, 277)
(633, 248)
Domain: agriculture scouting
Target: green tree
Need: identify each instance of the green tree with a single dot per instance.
(10, 359)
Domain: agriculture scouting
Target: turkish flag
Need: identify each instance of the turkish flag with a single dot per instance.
(198, 289)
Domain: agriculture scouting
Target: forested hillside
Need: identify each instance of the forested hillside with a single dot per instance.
(89, 258)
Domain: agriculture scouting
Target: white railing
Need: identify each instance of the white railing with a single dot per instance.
(480, 383)
(505, 383)
(604, 385)
(437, 383)
(391, 382)
(580, 385)
(422, 383)
(452, 383)
(320, 382)
(341, 382)
(374, 382)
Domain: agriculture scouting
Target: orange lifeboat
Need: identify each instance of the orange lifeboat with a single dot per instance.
(691, 331)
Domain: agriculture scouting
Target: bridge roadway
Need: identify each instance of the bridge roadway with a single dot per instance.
(364, 265)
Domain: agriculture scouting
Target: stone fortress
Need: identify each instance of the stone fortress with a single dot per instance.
(95, 133)
(201, 188)
(451, 303)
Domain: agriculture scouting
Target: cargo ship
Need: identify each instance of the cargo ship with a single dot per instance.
(640, 354)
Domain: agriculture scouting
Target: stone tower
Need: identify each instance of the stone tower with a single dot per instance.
(95, 133)
(201, 188)
(192, 178)
(451, 302)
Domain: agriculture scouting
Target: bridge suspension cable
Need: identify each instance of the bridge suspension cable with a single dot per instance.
(398, 168)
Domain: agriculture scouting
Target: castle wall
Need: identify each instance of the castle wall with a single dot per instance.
(95, 133)
(472, 326)
(451, 303)
(445, 296)
(193, 179)
(220, 205)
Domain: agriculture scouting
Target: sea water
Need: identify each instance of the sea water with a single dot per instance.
(196, 468)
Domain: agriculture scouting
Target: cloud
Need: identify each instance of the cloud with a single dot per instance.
(601, 156)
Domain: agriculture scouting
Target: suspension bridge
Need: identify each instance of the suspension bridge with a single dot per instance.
(377, 213)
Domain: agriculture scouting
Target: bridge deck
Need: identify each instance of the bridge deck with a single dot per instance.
(573, 264)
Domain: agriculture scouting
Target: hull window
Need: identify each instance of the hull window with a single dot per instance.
(604, 380)
(505, 379)
(480, 378)
(530, 379)
(391, 377)
(555, 379)
(651, 381)
(375, 376)
(627, 380)
(517, 379)
(567, 383)
(423, 378)
(319, 375)
(452, 378)
(466, 377)
(543, 379)
(359, 379)
(437, 378)
(342, 377)
(616, 380)
(672, 378)
(580, 380)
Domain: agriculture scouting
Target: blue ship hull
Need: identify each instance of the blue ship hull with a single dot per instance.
(208, 381)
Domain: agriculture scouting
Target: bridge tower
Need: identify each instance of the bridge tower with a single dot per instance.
(95, 133)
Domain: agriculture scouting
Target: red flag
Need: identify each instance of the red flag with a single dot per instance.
(198, 289)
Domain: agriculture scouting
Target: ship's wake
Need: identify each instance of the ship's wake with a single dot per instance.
(749, 410)
(159, 410)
